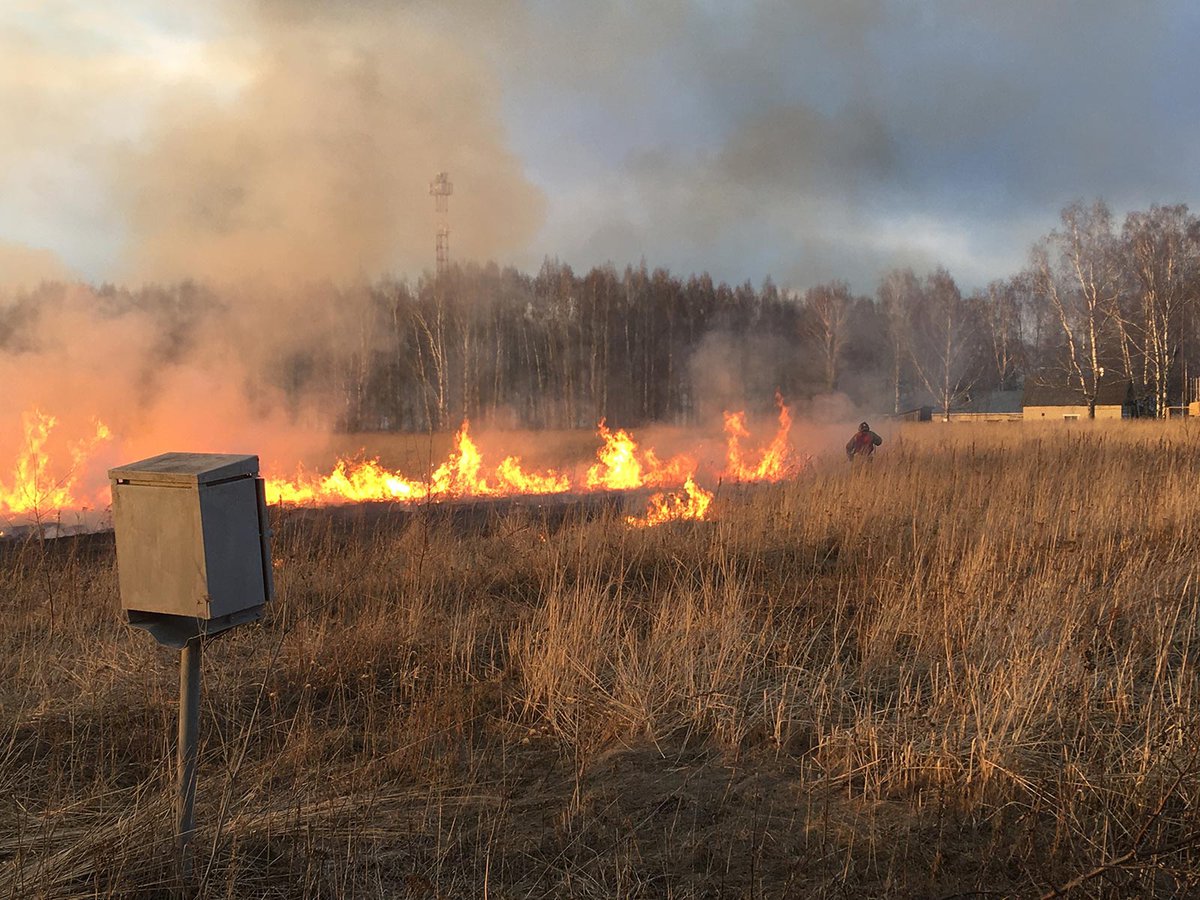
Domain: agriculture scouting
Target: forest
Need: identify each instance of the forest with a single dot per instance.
(560, 349)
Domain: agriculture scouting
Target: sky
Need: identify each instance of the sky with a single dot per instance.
(803, 141)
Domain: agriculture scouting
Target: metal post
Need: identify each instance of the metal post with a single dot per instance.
(189, 731)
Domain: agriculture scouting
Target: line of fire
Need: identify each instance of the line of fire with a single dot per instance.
(48, 494)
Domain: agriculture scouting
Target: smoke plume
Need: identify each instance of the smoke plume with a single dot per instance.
(318, 167)
(286, 162)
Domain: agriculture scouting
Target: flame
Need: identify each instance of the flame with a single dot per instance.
(776, 461)
(38, 486)
(515, 481)
(620, 469)
(690, 503)
(621, 465)
(349, 482)
(461, 475)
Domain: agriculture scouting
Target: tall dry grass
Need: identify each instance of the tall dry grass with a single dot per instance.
(966, 669)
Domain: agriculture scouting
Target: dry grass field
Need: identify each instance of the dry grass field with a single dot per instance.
(969, 669)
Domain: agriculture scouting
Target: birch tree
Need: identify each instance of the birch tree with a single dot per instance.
(944, 342)
(1075, 272)
(1001, 313)
(899, 294)
(1162, 252)
(828, 313)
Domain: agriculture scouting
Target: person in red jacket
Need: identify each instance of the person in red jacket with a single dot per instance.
(863, 443)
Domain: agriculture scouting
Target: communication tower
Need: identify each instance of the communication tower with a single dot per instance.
(441, 189)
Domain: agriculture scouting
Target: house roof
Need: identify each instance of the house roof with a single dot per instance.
(1052, 390)
(992, 402)
(977, 402)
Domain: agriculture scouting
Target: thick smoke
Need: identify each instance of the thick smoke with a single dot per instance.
(319, 166)
(732, 372)
(301, 171)
(23, 267)
(155, 385)
(737, 372)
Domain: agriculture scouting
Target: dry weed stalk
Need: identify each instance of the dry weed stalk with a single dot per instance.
(971, 666)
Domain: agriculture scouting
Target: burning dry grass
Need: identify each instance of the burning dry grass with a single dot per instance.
(968, 666)
(49, 490)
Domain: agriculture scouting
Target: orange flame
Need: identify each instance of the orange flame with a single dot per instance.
(349, 482)
(515, 481)
(690, 503)
(620, 468)
(38, 487)
(778, 459)
(459, 476)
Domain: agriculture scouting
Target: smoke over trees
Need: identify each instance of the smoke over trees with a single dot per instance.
(562, 349)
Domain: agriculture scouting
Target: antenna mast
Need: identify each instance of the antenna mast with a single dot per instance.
(441, 189)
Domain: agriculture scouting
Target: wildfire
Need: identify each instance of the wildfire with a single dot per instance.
(349, 482)
(620, 468)
(776, 461)
(690, 503)
(461, 475)
(515, 481)
(38, 487)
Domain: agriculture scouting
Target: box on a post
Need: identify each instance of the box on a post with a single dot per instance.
(193, 543)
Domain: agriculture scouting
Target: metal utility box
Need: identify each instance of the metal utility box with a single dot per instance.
(193, 550)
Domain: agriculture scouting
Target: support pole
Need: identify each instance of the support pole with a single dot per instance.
(189, 731)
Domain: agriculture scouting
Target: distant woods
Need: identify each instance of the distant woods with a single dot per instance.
(561, 349)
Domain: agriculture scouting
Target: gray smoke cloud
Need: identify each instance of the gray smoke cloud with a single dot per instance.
(836, 139)
(830, 138)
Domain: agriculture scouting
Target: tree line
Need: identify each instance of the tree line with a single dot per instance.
(1098, 299)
